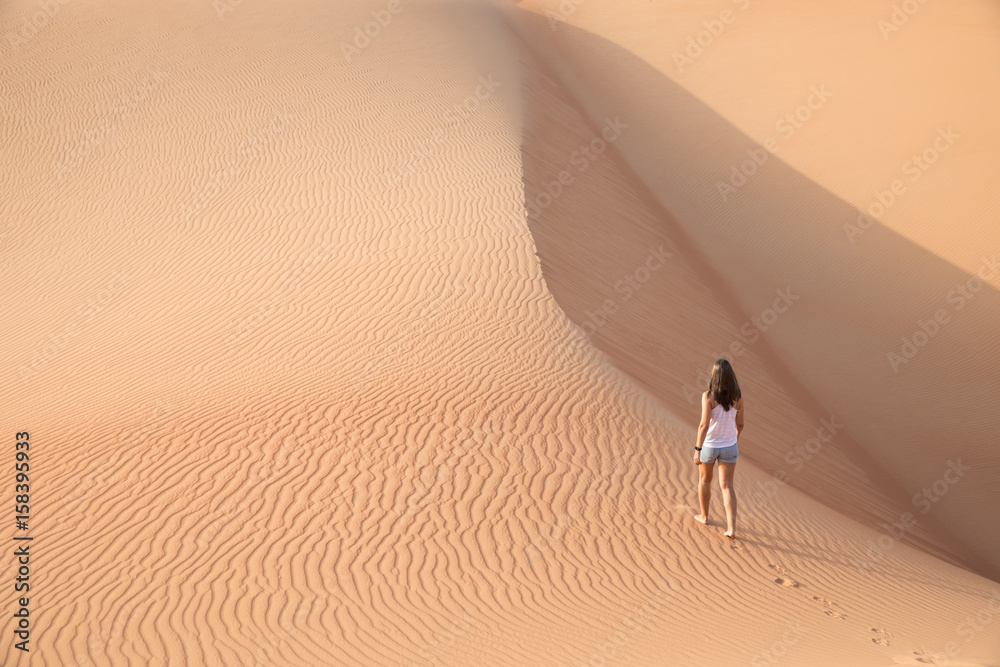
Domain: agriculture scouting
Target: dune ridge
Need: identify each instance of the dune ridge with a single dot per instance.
(862, 300)
(800, 442)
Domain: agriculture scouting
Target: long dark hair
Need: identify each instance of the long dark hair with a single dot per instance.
(722, 384)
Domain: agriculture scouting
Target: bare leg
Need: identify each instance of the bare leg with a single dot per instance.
(726, 473)
(705, 490)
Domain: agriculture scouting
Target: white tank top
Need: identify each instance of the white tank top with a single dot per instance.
(721, 427)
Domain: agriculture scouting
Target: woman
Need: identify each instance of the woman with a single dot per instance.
(718, 433)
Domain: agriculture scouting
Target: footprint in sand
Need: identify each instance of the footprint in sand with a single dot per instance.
(926, 658)
(829, 611)
(918, 658)
(881, 636)
(791, 583)
(783, 581)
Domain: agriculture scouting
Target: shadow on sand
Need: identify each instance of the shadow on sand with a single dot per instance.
(663, 324)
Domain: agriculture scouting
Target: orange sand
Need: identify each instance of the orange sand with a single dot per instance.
(320, 368)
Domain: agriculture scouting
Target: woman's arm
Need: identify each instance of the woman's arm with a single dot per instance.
(739, 419)
(706, 415)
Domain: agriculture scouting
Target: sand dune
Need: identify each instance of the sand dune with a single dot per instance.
(308, 384)
(887, 334)
(595, 250)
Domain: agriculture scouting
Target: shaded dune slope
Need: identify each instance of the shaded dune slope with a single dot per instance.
(600, 228)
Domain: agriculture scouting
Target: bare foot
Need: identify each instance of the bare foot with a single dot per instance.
(731, 534)
(701, 518)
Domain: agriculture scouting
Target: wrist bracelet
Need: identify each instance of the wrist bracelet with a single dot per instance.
(698, 448)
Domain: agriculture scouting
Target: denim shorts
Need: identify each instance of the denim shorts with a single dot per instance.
(725, 454)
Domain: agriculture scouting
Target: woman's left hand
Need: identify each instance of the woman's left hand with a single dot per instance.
(697, 457)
